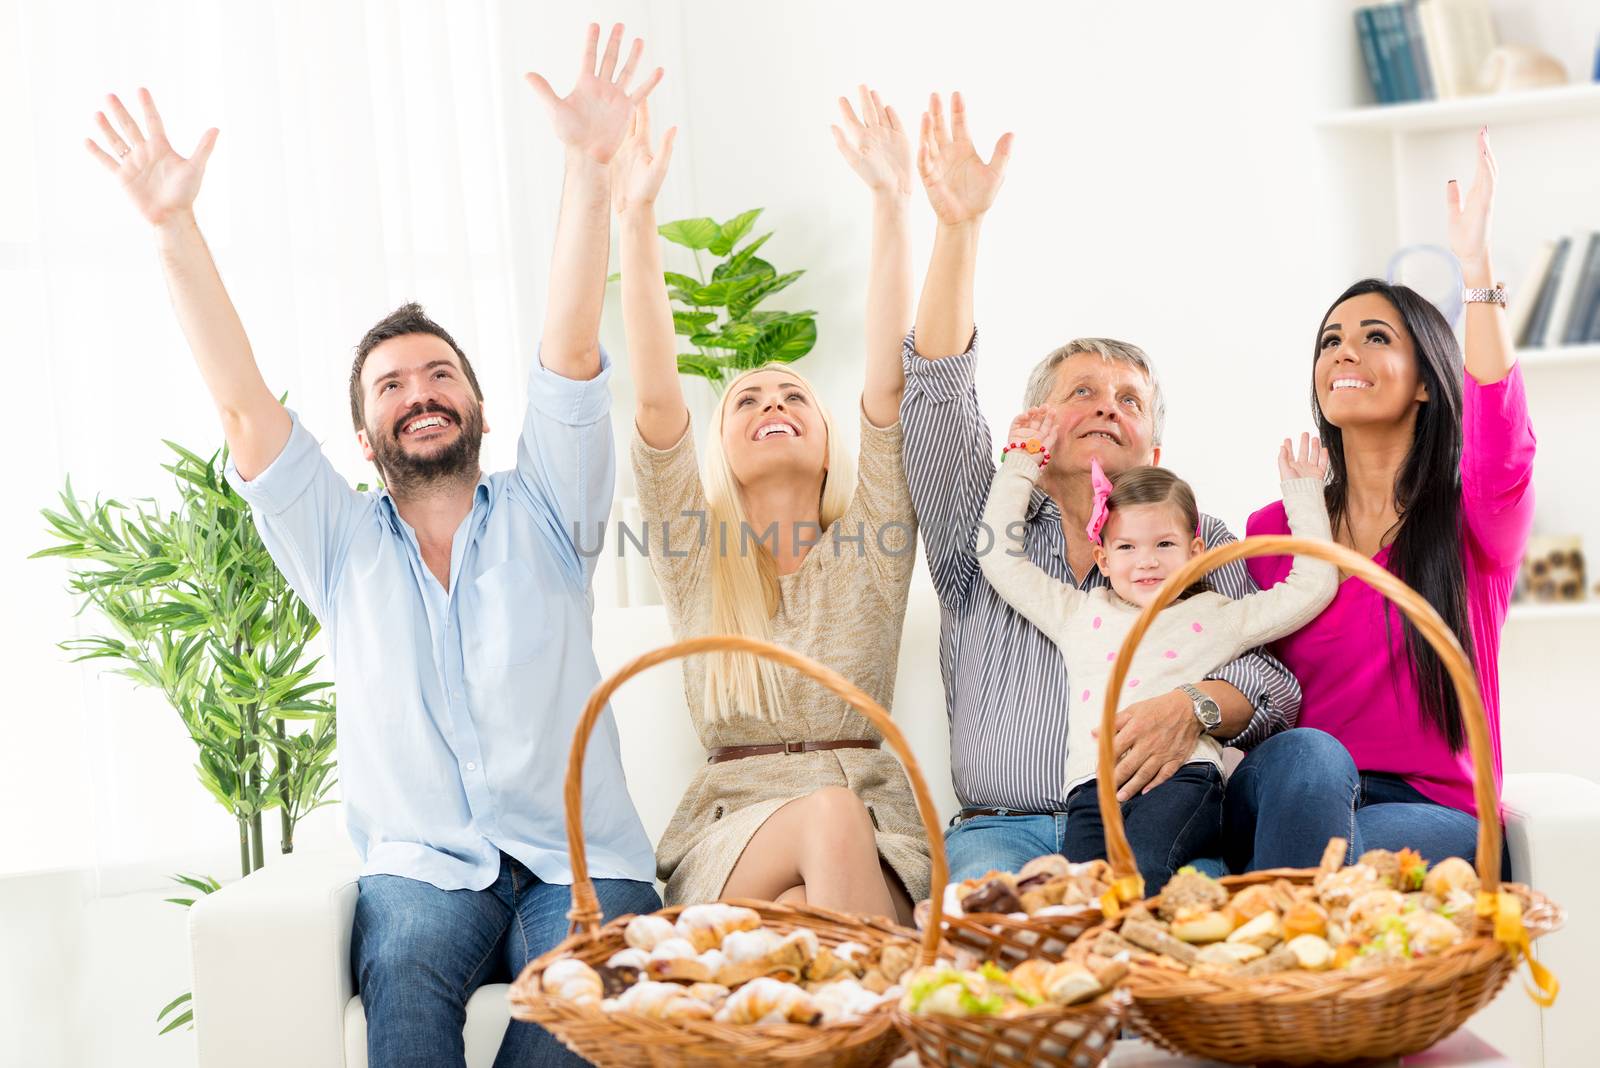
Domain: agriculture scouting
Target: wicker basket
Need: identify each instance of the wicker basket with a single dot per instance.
(629, 1039)
(1318, 1017)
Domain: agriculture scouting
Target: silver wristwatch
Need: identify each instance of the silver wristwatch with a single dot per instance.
(1207, 711)
(1497, 295)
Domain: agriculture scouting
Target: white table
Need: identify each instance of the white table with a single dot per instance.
(1461, 1050)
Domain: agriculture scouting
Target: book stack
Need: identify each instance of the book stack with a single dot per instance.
(1559, 302)
(1425, 49)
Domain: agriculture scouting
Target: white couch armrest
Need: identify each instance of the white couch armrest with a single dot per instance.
(1552, 825)
(271, 961)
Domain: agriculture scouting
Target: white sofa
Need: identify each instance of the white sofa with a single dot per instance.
(294, 1003)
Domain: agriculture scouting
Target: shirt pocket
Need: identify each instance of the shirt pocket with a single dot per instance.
(511, 617)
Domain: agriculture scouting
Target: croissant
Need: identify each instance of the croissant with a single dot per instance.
(765, 1000)
(628, 958)
(573, 980)
(647, 932)
(707, 925)
(844, 999)
(672, 949)
(743, 946)
(661, 1001)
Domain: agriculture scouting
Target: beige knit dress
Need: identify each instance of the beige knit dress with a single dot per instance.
(843, 607)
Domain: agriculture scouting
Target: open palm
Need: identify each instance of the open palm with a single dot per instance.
(160, 182)
(876, 146)
(636, 171)
(593, 118)
(960, 185)
(1470, 219)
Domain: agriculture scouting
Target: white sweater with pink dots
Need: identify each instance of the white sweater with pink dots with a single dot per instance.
(1188, 640)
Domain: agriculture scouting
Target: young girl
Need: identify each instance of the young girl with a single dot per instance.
(1144, 529)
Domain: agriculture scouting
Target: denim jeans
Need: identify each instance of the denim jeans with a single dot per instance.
(1167, 827)
(1175, 824)
(419, 953)
(1299, 788)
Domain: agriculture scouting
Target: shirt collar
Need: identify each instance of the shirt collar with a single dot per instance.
(391, 512)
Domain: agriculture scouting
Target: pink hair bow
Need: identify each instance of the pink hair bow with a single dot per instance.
(1102, 496)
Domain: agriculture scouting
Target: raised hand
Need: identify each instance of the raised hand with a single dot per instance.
(593, 118)
(1038, 423)
(636, 171)
(960, 185)
(1309, 462)
(1470, 219)
(161, 183)
(876, 146)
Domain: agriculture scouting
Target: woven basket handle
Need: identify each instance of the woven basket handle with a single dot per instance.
(586, 915)
(1416, 609)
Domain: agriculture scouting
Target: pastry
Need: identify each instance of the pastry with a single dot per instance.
(647, 932)
(574, 980)
(705, 926)
(769, 1001)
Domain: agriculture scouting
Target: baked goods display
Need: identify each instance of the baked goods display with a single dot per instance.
(990, 990)
(1032, 914)
(1050, 885)
(1385, 909)
(718, 962)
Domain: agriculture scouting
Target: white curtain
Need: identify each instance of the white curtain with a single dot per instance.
(370, 153)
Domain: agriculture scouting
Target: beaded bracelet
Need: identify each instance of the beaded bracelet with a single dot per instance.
(1033, 446)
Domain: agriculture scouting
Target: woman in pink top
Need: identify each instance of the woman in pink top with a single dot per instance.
(1432, 477)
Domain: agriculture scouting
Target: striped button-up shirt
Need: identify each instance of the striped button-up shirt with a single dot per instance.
(1005, 683)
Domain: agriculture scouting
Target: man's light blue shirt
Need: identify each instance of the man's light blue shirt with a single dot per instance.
(457, 707)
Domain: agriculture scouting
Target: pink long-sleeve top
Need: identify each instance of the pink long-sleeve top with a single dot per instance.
(1353, 668)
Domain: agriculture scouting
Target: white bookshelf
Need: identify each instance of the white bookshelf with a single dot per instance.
(1469, 112)
(1384, 170)
(1575, 612)
(1560, 356)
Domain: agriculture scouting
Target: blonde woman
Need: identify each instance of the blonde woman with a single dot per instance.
(777, 538)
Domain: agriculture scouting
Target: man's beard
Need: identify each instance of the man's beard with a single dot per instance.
(406, 472)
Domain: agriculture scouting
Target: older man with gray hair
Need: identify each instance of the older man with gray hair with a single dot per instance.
(1006, 687)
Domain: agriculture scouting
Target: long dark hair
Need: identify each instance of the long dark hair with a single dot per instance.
(1427, 551)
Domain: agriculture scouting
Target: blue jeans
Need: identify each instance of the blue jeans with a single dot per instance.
(419, 953)
(1299, 788)
(1172, 825)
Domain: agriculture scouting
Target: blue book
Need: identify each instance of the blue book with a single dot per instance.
(1540, 323)
(1419, 51)
(1397, 52)
(1369, 53)
(1576, 329)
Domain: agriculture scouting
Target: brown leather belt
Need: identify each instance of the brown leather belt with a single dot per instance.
(972, 813)
(724, 753)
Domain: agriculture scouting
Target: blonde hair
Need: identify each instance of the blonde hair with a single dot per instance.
(745, 594)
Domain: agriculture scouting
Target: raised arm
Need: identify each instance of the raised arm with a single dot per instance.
(961, 187)
(1033, 592)
(879, 151)
(637, 173)
(1497, 447)
(162, 186)
(1490, 351)
(590, 122)
(1311, 583)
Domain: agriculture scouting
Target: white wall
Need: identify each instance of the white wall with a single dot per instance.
(1167, 187)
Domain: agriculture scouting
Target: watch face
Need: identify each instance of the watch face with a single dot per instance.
(1210, 713)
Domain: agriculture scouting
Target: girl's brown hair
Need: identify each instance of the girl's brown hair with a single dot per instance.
(1154, 485)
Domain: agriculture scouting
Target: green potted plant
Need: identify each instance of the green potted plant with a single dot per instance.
(197, 609)
(719, 313)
